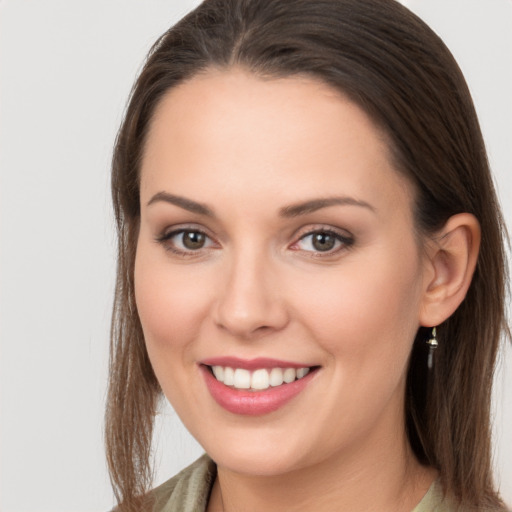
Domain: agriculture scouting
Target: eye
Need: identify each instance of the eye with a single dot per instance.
(185, 241)
(323, 241)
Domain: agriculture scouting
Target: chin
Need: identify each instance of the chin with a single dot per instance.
(260, 455)
(256, 463)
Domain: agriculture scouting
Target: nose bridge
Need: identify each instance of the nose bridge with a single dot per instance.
(249, 301)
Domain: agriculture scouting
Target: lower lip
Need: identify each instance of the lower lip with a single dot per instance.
(253, 403)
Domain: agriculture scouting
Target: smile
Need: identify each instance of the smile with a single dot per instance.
(259, 379)
(255, 387)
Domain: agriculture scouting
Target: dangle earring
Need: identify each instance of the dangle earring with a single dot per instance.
(432, 343)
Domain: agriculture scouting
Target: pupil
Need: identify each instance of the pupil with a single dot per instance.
(323, 242)
(193, 240)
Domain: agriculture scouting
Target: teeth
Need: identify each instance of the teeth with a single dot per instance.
(302, 372)
(218, 371)
(242, 379)
(229, 376)
(289, 375)
(276, 377)
(259, 379)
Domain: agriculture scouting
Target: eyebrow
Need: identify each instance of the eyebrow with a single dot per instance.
(313, 205)
(182, 202)
(294, 210)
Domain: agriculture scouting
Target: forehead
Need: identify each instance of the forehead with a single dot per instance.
(240, 132)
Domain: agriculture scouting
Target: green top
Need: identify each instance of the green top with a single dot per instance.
(190, 489)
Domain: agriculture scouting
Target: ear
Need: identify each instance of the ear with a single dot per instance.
(451, 260)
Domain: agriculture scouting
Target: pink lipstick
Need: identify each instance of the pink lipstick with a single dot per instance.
(257, 386)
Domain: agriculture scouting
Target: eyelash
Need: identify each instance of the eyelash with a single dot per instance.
(345, 241)
(165, 240)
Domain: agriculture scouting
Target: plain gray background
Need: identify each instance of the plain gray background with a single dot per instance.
(66, 71)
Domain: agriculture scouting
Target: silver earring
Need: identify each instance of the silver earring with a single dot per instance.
(432, 343)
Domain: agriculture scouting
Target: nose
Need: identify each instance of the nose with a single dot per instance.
(250, 303)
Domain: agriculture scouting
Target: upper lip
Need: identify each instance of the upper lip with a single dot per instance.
(252, 364)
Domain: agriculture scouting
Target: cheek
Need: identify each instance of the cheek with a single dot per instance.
(169, 301)
(366, 311)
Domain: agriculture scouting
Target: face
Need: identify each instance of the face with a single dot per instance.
(276, 249)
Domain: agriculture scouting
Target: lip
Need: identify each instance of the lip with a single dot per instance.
(253, 403)
(252, 364)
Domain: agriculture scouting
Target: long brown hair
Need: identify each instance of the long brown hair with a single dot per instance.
(398, 71)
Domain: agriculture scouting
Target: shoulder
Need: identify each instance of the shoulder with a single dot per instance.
(188, 491)
(434, 500)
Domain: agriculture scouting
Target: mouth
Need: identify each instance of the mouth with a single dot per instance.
(255, 387)
(259, 379)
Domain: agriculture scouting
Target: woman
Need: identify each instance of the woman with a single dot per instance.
(311, 266)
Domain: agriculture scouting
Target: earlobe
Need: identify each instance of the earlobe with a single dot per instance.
(452, 257)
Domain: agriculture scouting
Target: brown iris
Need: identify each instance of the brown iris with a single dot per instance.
(323, 241)
(193, 240)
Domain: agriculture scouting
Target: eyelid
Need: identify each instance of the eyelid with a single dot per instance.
(171, 231)
(342, 235)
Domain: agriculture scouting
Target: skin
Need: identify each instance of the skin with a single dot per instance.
(247, 149)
